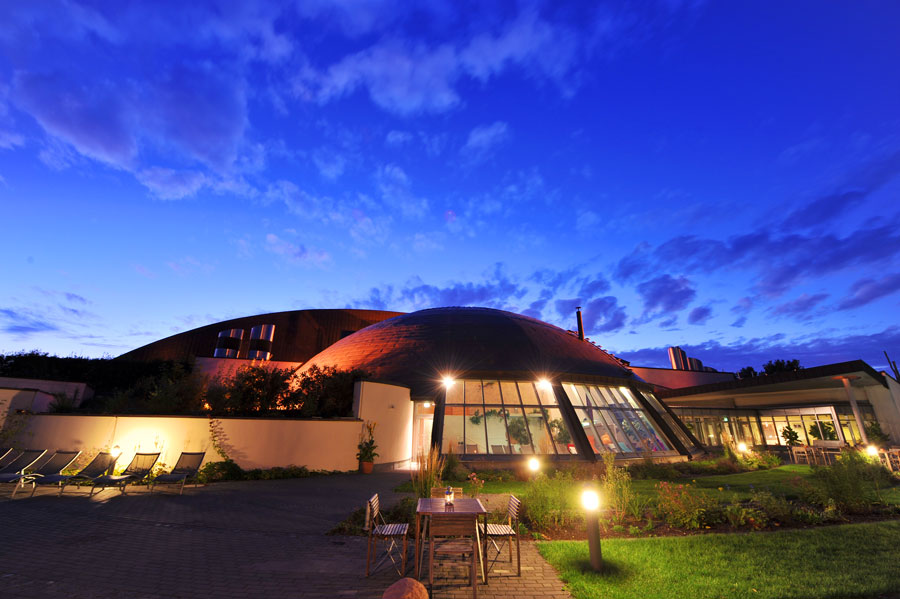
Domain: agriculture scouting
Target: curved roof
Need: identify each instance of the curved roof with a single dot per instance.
(299, 334)
(418, 349)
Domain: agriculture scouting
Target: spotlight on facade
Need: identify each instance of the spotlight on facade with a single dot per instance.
(590, 500)
(534, 464)
(448, 381)
(872, 451)
(742, 447)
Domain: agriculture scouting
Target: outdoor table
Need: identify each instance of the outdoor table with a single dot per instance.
(461, 505)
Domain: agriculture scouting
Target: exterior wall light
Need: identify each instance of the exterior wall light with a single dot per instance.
(448, 382)
(115, 452)
(545, 385)
(534, 464)
(872, 451)
(742, 447)
(590, 500)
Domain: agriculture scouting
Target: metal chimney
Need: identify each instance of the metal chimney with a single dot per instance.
(580, 323)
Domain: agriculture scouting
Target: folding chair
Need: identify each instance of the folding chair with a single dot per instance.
(140, 467)
(186, 467)
(383, 530)
(453, 534)
(507, 531)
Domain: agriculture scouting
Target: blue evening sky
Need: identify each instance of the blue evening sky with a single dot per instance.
(722, 176)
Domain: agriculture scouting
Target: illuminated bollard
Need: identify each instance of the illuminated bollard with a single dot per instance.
(590, 499)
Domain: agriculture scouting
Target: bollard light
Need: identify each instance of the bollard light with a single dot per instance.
(590, 500)
(534, 464)
(742, 447)
(872, 451)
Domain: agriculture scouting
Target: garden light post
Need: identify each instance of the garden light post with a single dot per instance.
(534, 466)
(742, 447)
(590, 500)
(115, 452)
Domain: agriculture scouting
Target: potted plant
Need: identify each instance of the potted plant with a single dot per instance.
(367, 454)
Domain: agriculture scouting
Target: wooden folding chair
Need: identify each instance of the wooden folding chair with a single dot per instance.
(506, 531)
(453, 534)
(379, 529)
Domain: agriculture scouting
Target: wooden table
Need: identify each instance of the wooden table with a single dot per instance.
(461, 505)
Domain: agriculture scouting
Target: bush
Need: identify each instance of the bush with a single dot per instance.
(427, 473)
(220, 471)
(681, 507)
(777, 507)
(656, 470)
(852, 482)
(617, 490)
(739, 515)
(551, 502)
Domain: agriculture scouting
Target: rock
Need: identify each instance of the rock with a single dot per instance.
(406, 588)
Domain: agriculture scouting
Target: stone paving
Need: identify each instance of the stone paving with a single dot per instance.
(246, 539)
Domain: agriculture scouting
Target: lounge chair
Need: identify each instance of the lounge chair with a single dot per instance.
(58, 462)
(14, 470)
(7, 455)
(102, 463)
(186, 467)
(140, 467)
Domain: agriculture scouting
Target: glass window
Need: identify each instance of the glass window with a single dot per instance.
(491, 393)
(573, 392)
(626, 393)
(622, 436)
(510, 395)
(548, 397)
(519, 437)
(473, 393)
(529, 397)
(770, 434)
(455, 393)
(496, 429)
(453, 430)
(474, 424)
(540, 434)
(562, 438)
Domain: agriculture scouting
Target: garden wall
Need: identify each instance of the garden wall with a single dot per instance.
(251, 442)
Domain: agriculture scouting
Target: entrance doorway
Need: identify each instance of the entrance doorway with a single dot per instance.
(423, 422)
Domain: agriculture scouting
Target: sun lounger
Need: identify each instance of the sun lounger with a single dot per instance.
(186, 467)
(17, 467)
(140, 467)
(101, 464)
(7, 455)
(58, 462)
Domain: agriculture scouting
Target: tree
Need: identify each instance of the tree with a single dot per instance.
(747, 372)
(776, 366)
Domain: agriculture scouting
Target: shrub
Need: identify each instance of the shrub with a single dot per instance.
(656, 470)
(807, 515)
(852, 482)
(681, 507)
(220, 471)
(634, 531)
(776, 507)
(617, 490)
(427, 473)
(738, 515)
(551, 502)
(453, 470)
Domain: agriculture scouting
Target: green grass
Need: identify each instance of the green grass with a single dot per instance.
(855, 560)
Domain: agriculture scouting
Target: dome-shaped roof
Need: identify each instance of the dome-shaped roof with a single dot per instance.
(418, 349)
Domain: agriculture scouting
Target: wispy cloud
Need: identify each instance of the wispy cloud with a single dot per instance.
(865, 291)
(483, 140)
(296, 254)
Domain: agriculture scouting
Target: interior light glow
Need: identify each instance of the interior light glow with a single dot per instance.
(590, 499)
(426, 405)
(534, 464)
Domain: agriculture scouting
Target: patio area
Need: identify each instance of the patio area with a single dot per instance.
(242, 539)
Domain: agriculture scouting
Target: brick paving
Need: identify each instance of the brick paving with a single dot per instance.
(247, 539)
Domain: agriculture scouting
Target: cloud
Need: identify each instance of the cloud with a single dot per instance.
(865, 291)
(169, 184)
(801, 307)
(604, 315)
(699, 315)
(296, 254)
(396, 138)
(814, 349)
(24, 324)
(665, 294)
(483, 139)
(10, 140)
(330, 164)
(396, 192)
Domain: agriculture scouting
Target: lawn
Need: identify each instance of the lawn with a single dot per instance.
(854, 560)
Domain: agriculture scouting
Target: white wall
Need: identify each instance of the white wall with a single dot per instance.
(391, 408)
(251, 442)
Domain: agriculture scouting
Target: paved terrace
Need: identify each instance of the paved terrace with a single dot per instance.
(241, 539)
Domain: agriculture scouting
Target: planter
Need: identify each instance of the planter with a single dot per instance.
(366, 467)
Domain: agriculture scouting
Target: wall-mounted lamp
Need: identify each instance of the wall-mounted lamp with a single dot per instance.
(448, 382)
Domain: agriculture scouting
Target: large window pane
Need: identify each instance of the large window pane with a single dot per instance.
(537, 426)
(455, 393)
(545, 392)
(519, 437)
(509, 392)
(473, 393)
(475, 439)
(621, 435)
(574, 393)
(585, 417)
(491, 393)
(496, 430)
(529, 397)
(562, 438)
(453, 430)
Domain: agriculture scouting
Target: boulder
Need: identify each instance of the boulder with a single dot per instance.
(406, 588)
